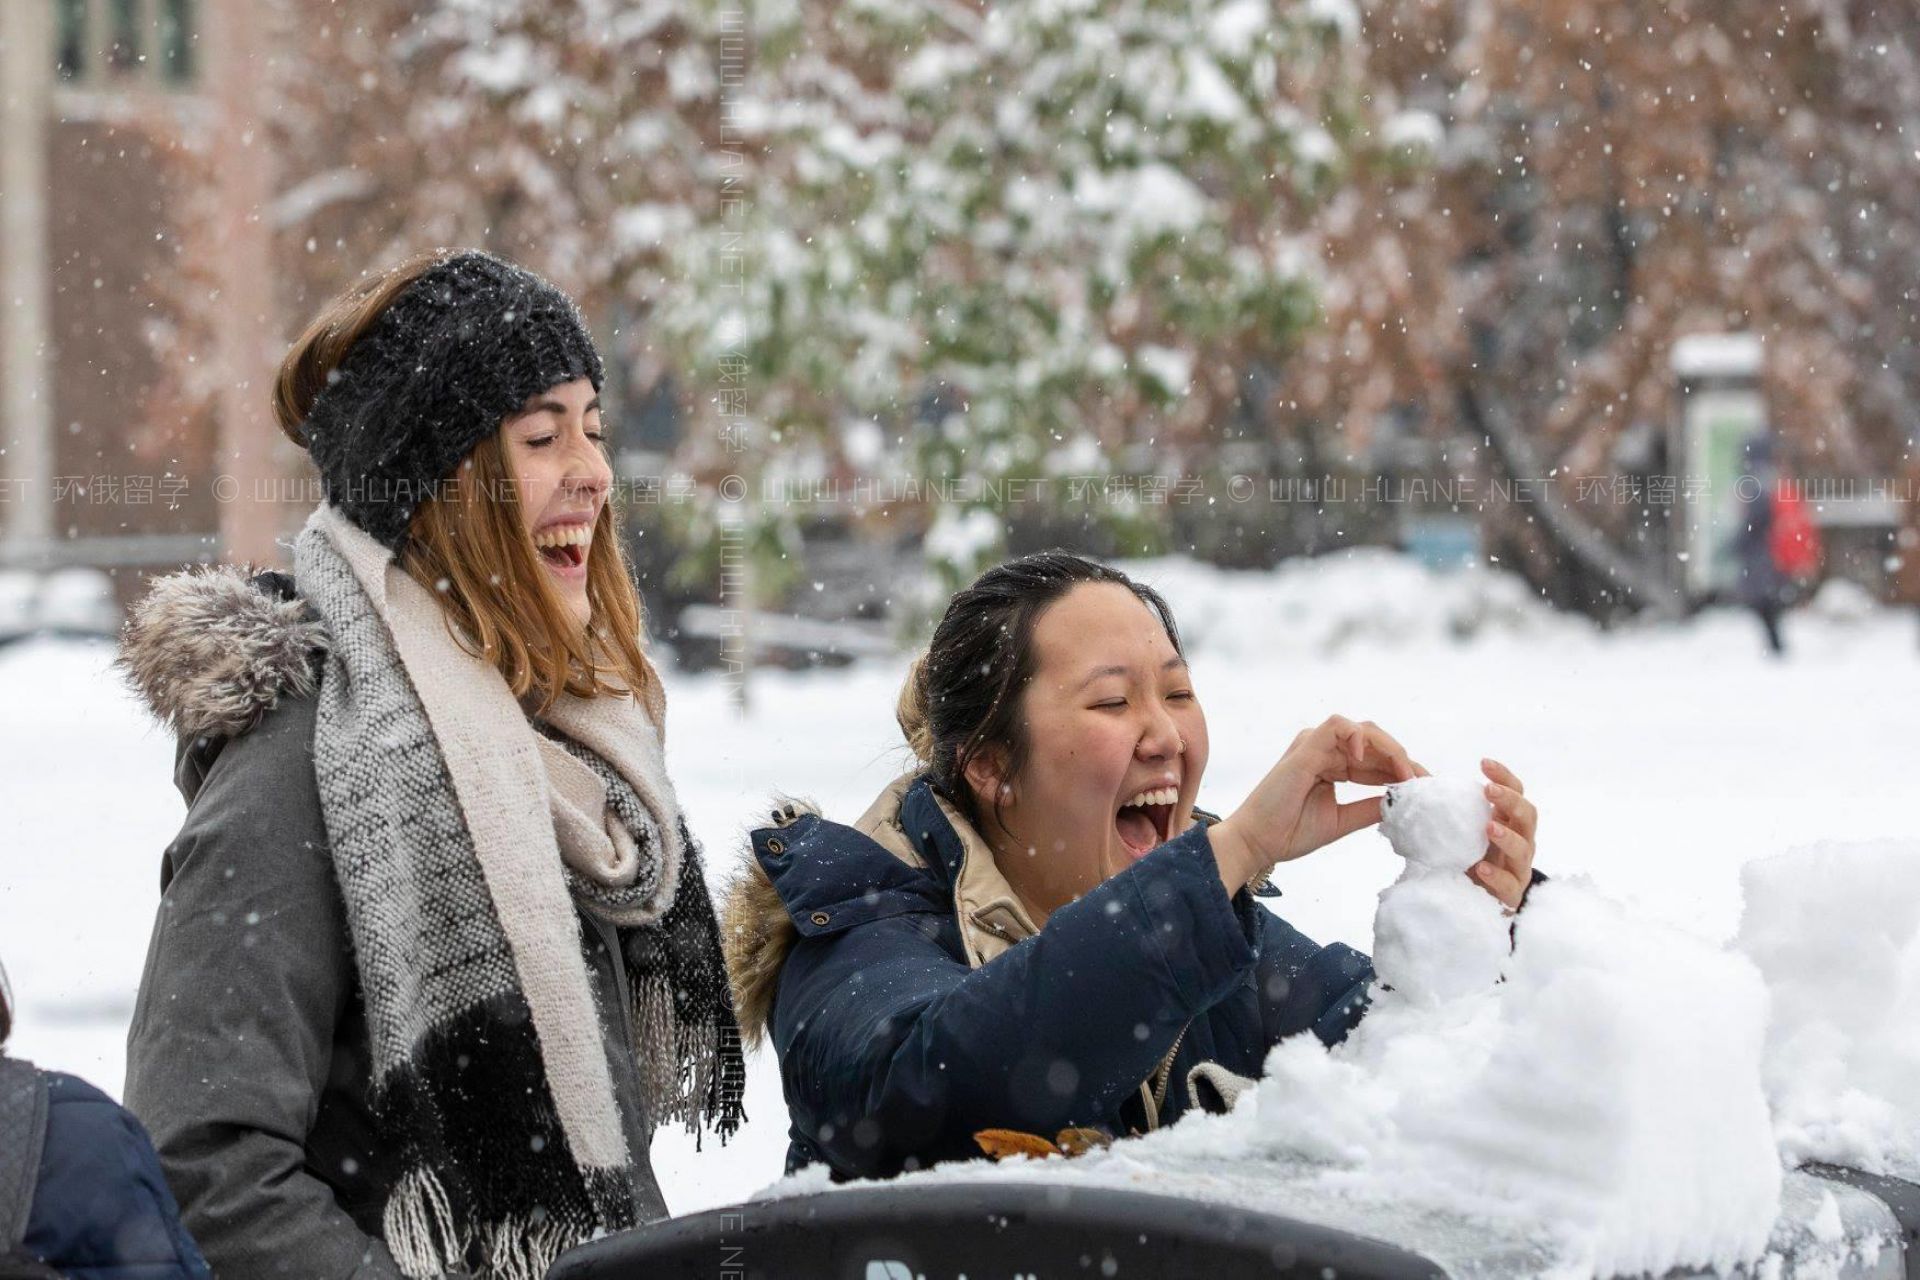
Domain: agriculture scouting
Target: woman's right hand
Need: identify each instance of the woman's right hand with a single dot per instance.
(1292, 811)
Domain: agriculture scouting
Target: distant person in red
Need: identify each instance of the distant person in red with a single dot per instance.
(1778, 545)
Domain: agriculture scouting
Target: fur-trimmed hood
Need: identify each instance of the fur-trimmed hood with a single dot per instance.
(756, 933)
(213, 648)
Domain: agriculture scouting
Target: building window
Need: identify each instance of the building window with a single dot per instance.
(123, 36)
(115, 41)
(70, 36)
(176, 40)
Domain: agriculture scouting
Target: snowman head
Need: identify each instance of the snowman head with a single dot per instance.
(1436, 823)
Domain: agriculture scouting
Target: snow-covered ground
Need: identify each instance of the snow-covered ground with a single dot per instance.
(1662, 761)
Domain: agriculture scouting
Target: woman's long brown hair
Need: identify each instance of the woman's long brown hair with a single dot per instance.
(468, 543)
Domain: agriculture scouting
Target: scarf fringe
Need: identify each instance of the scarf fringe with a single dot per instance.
(418, 1226)
(524, 1251)
(687, 1069)
(426, 1245)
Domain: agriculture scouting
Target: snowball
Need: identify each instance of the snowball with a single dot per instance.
(1438, 936)
(1835, 929)
(1438, 823)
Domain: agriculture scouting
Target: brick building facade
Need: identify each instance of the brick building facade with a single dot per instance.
(117, 368)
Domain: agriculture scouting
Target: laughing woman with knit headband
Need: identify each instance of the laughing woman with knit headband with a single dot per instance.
(435, 952)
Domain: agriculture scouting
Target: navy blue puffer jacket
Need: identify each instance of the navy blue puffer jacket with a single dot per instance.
(101, 1209)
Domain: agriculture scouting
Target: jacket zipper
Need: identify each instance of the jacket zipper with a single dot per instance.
(1156, 1098)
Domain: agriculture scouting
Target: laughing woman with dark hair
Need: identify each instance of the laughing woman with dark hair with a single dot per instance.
(1036, 928)
(435, 954)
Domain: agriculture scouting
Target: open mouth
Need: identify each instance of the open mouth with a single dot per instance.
(1146, 820)
(564, 548)
(567, 557)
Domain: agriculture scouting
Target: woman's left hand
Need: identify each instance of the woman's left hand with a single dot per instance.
(1507, 869)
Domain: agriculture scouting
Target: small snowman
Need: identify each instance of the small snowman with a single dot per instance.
(1438, 935)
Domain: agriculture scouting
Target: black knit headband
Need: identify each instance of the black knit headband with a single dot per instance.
(457, 352)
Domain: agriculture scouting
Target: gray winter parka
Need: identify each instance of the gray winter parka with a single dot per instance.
(248, 1057)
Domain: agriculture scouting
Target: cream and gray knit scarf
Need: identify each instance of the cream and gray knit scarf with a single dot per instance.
(462, 834)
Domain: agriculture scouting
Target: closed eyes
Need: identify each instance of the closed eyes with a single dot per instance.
(1121, 702)
(539, 442)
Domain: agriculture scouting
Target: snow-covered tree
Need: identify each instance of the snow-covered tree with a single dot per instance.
(1022, 240)
(972, 240)
(573, 135)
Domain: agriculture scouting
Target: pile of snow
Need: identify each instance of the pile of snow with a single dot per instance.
(1331, 603)
(70, 601)
(1844, 603)
(1835, 930)
(1598, 1112)
(1437, 935)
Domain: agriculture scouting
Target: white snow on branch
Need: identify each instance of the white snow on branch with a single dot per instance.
(321, 191)
(1338, 14)
(1413, 128)
(1171, 367)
